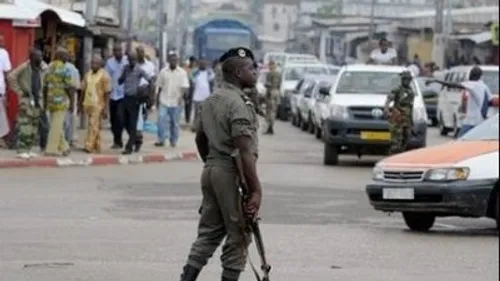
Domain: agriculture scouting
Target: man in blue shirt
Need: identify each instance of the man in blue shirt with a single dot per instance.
(114, 66)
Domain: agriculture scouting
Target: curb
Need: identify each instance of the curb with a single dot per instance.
(97, 160)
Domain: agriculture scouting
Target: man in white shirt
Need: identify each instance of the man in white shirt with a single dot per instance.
(476, 101)
(150, 69)
(171, 87)
(384, 54)
(202, 79)
(5, 67)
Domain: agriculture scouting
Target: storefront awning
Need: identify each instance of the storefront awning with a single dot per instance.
(64, 15)
(477, 38)
(14, 12)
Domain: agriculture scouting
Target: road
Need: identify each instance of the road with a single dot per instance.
(127, 223)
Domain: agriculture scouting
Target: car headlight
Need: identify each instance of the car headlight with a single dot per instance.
(447, 174)
(378, 174)
(338, 112)
(419, 115)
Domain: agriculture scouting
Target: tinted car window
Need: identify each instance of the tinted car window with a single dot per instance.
(369, 82)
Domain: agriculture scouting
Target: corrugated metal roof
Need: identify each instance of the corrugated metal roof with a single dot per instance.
(38, 7)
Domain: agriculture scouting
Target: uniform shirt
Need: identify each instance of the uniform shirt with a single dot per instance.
(403, 101)
(5, 66)
(226, 114)
(383, 58)
(172, 84)
(477, 92)
(132, 79)
(115, 69)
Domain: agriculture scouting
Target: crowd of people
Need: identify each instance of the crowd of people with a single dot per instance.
(124, 90)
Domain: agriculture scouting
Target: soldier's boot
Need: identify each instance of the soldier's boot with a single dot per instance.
(190, 273)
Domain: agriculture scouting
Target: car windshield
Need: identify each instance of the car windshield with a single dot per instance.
(488, 130)
(296, 73)
(490, 78)
(369, 82)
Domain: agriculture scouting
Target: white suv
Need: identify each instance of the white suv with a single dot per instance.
(356, 123)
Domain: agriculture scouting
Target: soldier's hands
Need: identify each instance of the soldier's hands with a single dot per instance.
(252, 206)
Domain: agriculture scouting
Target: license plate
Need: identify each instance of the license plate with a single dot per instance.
(398, 193)
(375, 135)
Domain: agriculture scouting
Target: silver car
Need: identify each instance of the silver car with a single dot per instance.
(307, 102)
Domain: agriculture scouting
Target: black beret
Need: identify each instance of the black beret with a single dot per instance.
(240, 52)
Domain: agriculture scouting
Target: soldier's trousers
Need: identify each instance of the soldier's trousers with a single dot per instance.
(399, 138)
(271, 108)
(221, 217)
(27, 131)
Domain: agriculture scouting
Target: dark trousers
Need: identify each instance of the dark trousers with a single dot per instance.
(116, 120)
(188, 106)
(130, 115)
(43, 130)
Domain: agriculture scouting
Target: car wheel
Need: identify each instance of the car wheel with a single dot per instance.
(420, 222)
(311, 126)
(497, 210)
(434, 122)
(443, 131)
(294, 120)
(317, 132)
(331, 155)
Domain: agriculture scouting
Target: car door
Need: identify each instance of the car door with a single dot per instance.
(296, 96)
(321, 103)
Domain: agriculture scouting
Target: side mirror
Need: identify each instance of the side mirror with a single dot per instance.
(324, 91)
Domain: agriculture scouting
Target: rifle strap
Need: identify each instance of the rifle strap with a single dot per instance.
(255, 272)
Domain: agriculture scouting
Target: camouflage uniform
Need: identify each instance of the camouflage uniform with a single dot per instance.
(400, 127)
(226, 114)
(21, 81)
(273, 83)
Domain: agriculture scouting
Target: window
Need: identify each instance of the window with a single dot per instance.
(296, 73)
(224, 41)
(276, 27)
(369, 82)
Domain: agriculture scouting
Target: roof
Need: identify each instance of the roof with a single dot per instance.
(477, 38)
(318, 78)
(16, 12)
(375, 67)
(64, 15)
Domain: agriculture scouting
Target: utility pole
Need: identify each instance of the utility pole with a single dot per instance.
(161, 19)
(88, 44)
(439, 40)
(129, 23)
(372, 20)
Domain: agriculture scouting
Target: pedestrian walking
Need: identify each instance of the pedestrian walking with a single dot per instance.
(26, 81)
(96, 88)
(202, 80)
(5, 67)
(273, 83)
(476, 100)
(188, 101)
(114, 67)
(228, 122)
(171, 87)
(400, 114)
(70, 121)
(146, 85)
(58, 100)
(130, 79)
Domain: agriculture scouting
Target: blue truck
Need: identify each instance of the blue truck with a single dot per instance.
(212, 39)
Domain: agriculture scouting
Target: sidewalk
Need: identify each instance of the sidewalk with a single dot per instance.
(185, 150)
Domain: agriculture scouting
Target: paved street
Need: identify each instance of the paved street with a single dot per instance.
(136, 222)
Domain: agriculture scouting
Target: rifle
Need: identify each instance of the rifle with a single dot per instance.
(252, 224)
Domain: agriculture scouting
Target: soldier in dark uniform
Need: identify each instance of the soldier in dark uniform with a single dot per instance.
(273, 83)
(228, 121)
(400, 113)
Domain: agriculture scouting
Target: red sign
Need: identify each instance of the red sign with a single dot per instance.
(26, 23)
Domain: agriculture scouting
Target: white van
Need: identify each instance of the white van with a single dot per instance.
(281, 59)
(278, 58)
(449, 119)
(356, 123)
